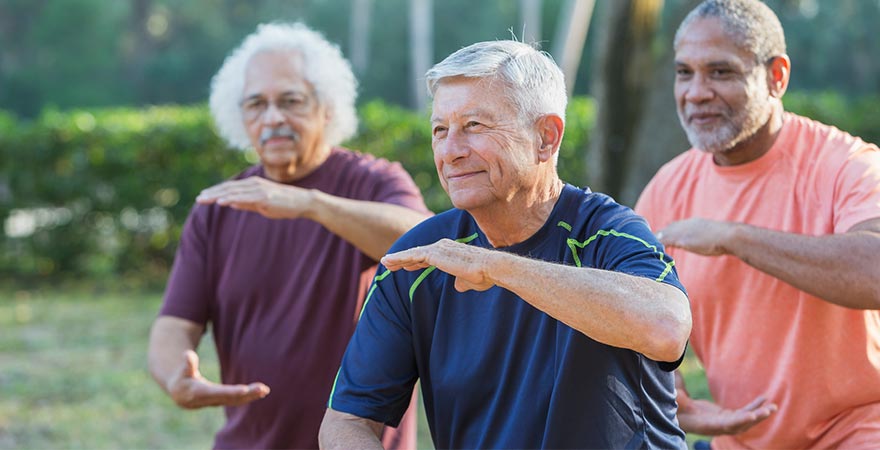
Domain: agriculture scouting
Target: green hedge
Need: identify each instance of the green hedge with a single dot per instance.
(105, 192)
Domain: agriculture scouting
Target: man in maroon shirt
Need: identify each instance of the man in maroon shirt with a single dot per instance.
(277, 259)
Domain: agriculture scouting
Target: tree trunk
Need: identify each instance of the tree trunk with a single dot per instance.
(658, 136)
(530, 18)
(574, 20)
(359, 35)
(421, 49)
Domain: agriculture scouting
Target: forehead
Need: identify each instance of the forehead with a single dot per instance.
(273, 72)
(705, 41)
(462, 96)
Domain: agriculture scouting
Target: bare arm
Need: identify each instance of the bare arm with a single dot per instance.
(839, 268)
(370, 226)
(613, 308)
(346, 431)
(174, 365)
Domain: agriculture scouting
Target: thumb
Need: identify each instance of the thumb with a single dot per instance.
(191, 364)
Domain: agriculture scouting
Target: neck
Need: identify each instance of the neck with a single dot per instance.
(756, 145)
(520, 218)
(297, 168)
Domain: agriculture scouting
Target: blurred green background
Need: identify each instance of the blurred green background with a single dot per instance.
(105, 141)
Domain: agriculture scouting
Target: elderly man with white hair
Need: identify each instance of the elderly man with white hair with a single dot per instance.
(535, 314)
(277, 259)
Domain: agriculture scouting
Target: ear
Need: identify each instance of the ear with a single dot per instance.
(551, 128)
(778, 74)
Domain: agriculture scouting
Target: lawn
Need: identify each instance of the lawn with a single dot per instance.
(73, 374)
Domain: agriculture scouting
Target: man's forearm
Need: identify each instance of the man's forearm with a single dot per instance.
(842, 268)
(370, 226)
(345, 431)
(170, 337)
(616, 309)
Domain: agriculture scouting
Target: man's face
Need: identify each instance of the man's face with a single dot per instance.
(721, 94)
(483, 153)
(283, 118)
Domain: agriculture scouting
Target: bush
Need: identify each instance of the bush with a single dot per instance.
(102, 194)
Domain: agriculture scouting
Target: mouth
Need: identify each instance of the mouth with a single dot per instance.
(704, 118)
(277, 140)
(462, 175)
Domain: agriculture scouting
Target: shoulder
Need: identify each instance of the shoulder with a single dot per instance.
(594, 211)
(816, 140)
(452, 224)
(345, 159)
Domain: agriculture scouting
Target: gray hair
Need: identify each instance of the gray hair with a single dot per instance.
(752, 24)
(324, 68)
(537, 84)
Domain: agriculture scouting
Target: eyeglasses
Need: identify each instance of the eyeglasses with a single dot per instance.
(255, 108)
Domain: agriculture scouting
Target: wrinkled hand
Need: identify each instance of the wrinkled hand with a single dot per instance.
(257, 194)
(707, 418)
(701, 236)
(190, 390)
(465, 262)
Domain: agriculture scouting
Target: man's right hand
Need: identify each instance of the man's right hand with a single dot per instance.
(710, 419)
(190, 390)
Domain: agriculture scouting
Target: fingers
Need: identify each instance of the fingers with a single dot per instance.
(410, 259)
(201, 393)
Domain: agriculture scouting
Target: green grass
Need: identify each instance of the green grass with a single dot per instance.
(73, 375)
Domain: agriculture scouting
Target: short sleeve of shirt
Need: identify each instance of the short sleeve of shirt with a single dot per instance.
(188, 289)
(624, 243)
(378, 370)
(857, 189)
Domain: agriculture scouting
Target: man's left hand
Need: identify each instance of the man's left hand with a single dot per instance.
(468, 264)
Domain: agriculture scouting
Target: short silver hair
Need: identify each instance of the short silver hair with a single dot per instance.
(537, 85)
(752, 24)
(324, 68)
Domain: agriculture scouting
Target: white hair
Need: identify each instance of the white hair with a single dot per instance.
(537, 84)
(324, 68)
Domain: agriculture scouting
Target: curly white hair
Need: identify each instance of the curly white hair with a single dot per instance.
(324, 68)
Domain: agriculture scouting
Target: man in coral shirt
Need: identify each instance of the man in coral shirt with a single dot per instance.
(774, 222)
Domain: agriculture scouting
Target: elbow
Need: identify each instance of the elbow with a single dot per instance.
(669, 338)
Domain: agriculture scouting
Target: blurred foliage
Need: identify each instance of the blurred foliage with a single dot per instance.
(88, 53)
(103, 193)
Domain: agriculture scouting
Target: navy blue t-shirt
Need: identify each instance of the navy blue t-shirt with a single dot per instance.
(495, 371)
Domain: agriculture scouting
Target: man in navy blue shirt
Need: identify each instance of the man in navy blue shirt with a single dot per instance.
(535, 314)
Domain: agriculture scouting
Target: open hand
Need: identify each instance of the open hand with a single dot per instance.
(190, 390)
(468, 264)
(257, 194)
(710, 419)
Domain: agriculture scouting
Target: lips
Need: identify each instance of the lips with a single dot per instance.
(462, 175)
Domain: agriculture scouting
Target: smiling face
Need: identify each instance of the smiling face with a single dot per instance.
(282, 115)
(722, 95)
(484, 154)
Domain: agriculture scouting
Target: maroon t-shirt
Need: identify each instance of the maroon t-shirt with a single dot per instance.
(282, 297)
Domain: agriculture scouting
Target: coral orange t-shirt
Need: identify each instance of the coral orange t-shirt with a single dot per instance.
(757, 335)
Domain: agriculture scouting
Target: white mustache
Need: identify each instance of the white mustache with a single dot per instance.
(282, 131)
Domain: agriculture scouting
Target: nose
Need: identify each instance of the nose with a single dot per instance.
(272, 116)
(698, 90)
(453, 146)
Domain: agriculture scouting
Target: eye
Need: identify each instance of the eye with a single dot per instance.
(472, 124)
(256, 104)
(439, 131)
(290, 102)
(722, 73)
(682, 72)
